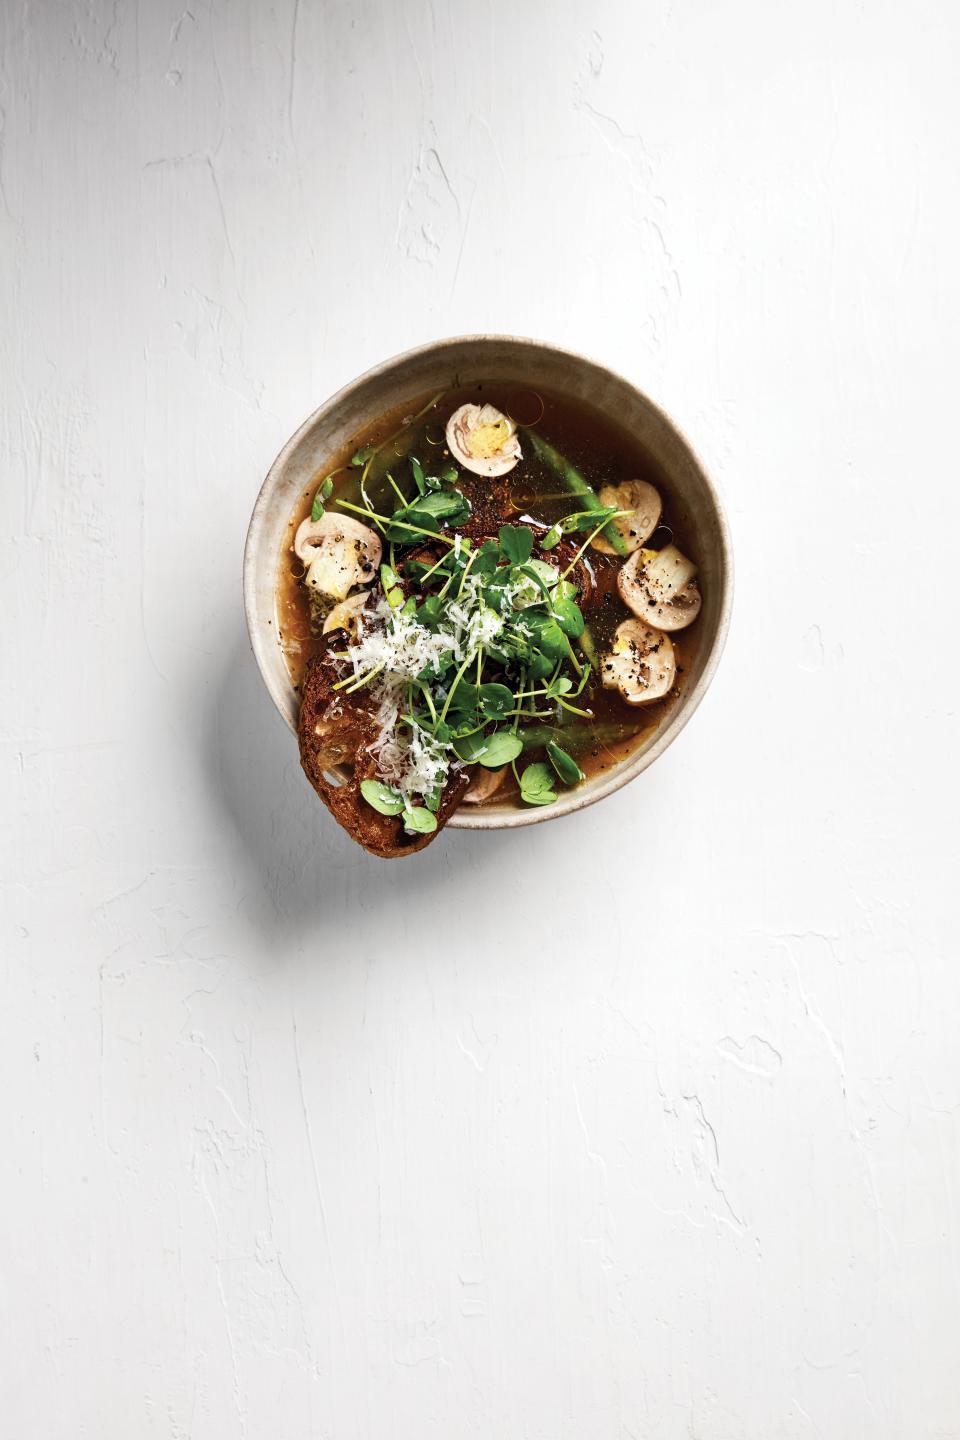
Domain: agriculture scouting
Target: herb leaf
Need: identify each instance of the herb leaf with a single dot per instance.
(501, 747)
(547, 635)
(516, 543)
(532, 581)
(561, 686)
(568, 617)
(540, 666)
(361, 456)
(427, 512)
(382, 797)
(491, 751)
(470, 747)
(418, 820)
(324, 491)
(487, 557)
(536, 785)
(496, 700)
(443, 505)
(398, 530)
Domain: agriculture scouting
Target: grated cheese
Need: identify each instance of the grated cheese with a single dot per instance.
(400, 649)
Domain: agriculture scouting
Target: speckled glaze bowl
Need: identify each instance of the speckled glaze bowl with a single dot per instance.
(531, 364)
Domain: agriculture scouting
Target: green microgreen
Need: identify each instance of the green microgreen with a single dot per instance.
(491, 751)
(382, 797)
(356, 682)
(383, 521)
(396, 490)
(568, 616)
(453, 687)
(523, 613)
(579, 520)
(418, 820)
(536, 785)
(500, 748)
(516, 543)
(609, 514)
(324, 491)
(495, 700)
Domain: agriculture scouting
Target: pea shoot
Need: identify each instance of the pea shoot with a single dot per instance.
(470, 642)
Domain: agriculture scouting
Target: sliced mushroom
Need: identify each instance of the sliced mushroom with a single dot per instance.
(483, 439)
(339, 553)
(484, 784)
(643, 502)
(641, 663)
(659, 587)
(346, 614)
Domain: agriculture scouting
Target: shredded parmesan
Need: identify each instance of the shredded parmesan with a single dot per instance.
(399, 648)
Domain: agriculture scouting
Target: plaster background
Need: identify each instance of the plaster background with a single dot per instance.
(640, 1125)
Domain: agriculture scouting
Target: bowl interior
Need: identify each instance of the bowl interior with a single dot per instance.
(450, 364)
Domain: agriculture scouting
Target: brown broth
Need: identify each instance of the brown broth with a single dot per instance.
(603, 453)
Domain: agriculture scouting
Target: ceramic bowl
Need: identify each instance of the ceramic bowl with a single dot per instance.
(532, 364)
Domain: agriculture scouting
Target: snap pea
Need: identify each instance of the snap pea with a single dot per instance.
(536, 737)
(570, 477)
(588, 646)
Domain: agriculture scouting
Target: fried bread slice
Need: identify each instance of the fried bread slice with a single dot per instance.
(337, 730)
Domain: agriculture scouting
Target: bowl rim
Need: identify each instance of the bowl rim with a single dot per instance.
(569, 801)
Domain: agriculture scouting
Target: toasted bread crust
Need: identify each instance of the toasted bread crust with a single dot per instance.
(337, 729)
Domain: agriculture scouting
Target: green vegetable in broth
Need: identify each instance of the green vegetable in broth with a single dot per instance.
(573, 481)
(564, 764)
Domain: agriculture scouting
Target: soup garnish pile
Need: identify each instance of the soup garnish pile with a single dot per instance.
(474, 616)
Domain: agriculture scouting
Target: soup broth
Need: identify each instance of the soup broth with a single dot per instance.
(598, 728)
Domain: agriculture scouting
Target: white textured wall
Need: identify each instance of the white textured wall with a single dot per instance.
(644, 1124)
